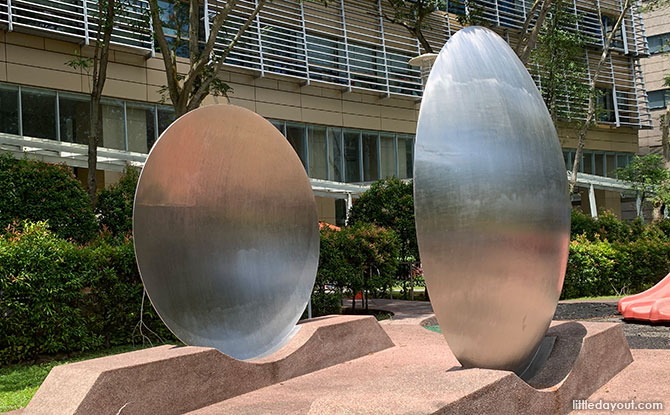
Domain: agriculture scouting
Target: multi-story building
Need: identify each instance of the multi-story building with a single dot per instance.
(655, 68)
(333, 78)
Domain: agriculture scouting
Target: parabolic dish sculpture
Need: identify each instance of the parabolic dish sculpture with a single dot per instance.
(491, 203)
(226, 231)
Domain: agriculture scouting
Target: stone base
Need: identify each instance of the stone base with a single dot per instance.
(175, 380)
(421, 376)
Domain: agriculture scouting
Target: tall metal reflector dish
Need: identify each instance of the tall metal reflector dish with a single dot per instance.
(491, 202)
(226, 231)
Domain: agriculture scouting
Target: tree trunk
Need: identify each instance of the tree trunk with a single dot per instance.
(528, 41)
(657, 212)
(95, 127)
(665, 137)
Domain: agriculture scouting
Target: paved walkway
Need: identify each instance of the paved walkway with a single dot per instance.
(404, 311)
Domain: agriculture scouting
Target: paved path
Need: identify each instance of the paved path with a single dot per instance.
(404, 311)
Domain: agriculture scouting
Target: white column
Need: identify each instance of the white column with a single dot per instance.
(592, 202)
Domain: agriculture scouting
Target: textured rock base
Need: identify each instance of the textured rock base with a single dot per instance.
(421, 376)
(174, 380)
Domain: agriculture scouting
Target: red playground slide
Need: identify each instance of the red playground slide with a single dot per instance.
(652, 305)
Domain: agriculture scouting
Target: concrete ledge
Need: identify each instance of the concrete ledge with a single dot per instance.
(174, 380)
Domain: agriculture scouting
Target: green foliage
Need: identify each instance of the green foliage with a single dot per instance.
(609, 227)
(363, 257)
(115, 203)
(38, 191)
(647, 175)
(389, 203)
(559, 52)
(59, 297)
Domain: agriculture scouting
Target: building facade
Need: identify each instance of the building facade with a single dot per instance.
(656, 67)
(334, 79)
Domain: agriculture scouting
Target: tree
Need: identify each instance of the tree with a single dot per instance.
(651, 180)
(104, 19)
(559, 54)
(592, 95)
(187, 91)
(412, 14)
(528, 41)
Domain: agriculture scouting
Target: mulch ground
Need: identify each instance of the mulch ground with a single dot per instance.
(640, 335)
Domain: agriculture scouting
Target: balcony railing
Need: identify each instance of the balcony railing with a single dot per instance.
(348, 43)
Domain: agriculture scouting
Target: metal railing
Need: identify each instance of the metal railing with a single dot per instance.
(349, 43)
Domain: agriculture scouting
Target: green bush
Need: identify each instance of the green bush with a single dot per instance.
(599, 268)
(38, 191)
(59, 297)
(115, 203)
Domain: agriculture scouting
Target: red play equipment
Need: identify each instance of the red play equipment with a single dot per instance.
(652, 305)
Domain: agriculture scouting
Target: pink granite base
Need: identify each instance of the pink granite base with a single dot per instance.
(174, 380)
(421, 376)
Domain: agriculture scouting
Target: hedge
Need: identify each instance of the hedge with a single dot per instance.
(58, 297)
(39, 191)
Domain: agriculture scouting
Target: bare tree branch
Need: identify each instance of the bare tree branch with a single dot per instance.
(169, 59)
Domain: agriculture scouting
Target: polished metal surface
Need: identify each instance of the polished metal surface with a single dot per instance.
(226, 231)
(491, 202)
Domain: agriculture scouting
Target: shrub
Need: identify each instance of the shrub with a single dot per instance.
(38, 191)
(115, 203)
(57, 296)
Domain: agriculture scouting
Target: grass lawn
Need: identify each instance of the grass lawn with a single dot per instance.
(605, 297)
(18, 383)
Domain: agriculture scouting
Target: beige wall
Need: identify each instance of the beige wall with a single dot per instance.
(655, 68)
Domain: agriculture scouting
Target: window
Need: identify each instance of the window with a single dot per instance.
(296, 136)
(113, 125)
(74, 112)
(388, 163)
(335, 158)
(456, 7)
(605, 105)
(608, 23)
(659, 99)
(9, 109)
(405, 157)
(317, 152)
(38, 108)
(659, 43)
(370, 157)
(352, 156)
(175, 16)
(141, 126)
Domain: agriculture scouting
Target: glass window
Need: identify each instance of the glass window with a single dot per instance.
(370, 157)
(141, 128)
(279, 125)
(165, 118)
(39, 113)
(611, 165)
(9, 109)
(658, 99)
(605, 105)
(599, 166)
(75, 117)
(456, 7)
(621, 161)
(317, 152)
(295, 133)
(335, 154)
(387, 144)
(340, 212)
(405, 157)
(113, 127)
(659, 43)
(352, 156)
(587, 163)
(609, 23)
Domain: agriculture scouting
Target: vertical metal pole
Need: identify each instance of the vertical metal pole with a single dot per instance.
(638, 205)
(260, 41)
(304, 40)
(57, 110)
(206, 18)
(349, 204)
(151, 30)
(328, 154)
(397, 155)
(156, 132)
(305, 144)
(10, 20)
(346, 48)
(614, 94)
(85, 10)
(624, 36)
(20, 105)
(125, 126)
(379, 156)
(592, 202)
(386, 68)
(361, 169)
(309, 307)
